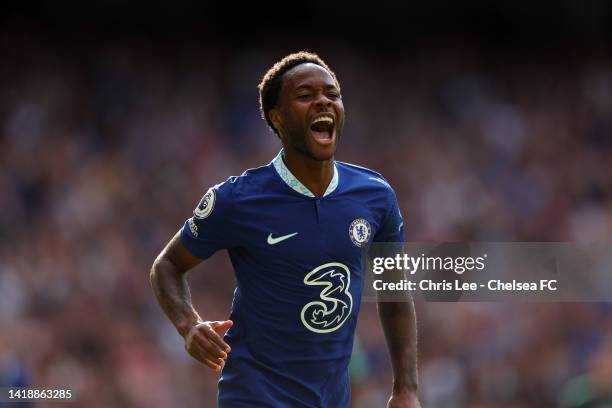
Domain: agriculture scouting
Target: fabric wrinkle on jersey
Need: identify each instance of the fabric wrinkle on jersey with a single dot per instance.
(297, 298)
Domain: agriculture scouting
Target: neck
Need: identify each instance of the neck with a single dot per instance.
(314, 174)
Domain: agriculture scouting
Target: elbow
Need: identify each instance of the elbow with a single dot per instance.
(153, 274)
(162, 270)
(155, 271)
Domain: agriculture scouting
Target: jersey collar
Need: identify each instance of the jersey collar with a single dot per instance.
(294, 183)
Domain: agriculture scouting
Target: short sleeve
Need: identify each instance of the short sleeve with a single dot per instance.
(392, 226)
(210, 228)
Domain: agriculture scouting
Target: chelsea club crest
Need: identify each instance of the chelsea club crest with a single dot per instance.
(360, 231)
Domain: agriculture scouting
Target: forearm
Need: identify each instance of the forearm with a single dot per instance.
(172, 292)
(398, 320)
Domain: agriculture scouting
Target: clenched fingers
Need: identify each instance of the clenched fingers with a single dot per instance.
(204, 357)
(219, 328)
(205, 345)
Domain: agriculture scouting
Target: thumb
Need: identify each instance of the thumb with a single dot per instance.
(221, 326)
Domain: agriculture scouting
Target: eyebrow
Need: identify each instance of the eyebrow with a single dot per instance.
(310, 87)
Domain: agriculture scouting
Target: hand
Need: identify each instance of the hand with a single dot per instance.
(404, 399)
(204, 342)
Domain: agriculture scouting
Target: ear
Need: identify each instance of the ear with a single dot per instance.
(276, 120)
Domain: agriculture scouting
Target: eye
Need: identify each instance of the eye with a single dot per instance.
(333, 95)
(304, 97)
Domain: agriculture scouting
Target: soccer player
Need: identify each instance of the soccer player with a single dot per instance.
(295, 231)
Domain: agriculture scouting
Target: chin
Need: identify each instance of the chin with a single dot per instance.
(322, 153)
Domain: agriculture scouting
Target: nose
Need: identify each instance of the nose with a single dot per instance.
(322, 100)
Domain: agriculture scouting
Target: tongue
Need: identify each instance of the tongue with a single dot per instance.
(325, 135)
(321, 131)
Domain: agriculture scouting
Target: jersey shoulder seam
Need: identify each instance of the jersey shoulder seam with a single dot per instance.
(246, 178)
(369, 174)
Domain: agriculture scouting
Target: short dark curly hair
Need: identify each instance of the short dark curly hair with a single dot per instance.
(272, 81)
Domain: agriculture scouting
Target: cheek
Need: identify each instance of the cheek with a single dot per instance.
(339, 107)
(340, 112)
(298, 116)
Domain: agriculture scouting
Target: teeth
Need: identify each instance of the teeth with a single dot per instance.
(323, 119)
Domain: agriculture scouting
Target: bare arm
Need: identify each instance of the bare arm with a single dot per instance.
(398, 320)
(168, 279)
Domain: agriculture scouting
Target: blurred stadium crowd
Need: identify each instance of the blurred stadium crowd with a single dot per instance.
(105, 151)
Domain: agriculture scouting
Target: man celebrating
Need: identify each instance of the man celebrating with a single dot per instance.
(295, 231)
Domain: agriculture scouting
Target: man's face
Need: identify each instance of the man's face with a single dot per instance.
(309, 114)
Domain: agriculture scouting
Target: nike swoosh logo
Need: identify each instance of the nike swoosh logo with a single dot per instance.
(273, 241)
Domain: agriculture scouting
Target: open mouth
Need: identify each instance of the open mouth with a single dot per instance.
(322, 129)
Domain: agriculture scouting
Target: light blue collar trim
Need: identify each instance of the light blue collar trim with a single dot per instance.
(294, 183)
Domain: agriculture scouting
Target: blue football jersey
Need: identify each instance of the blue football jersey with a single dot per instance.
(298, 261)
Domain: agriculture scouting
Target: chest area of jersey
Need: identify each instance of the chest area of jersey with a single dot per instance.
(334, 229)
